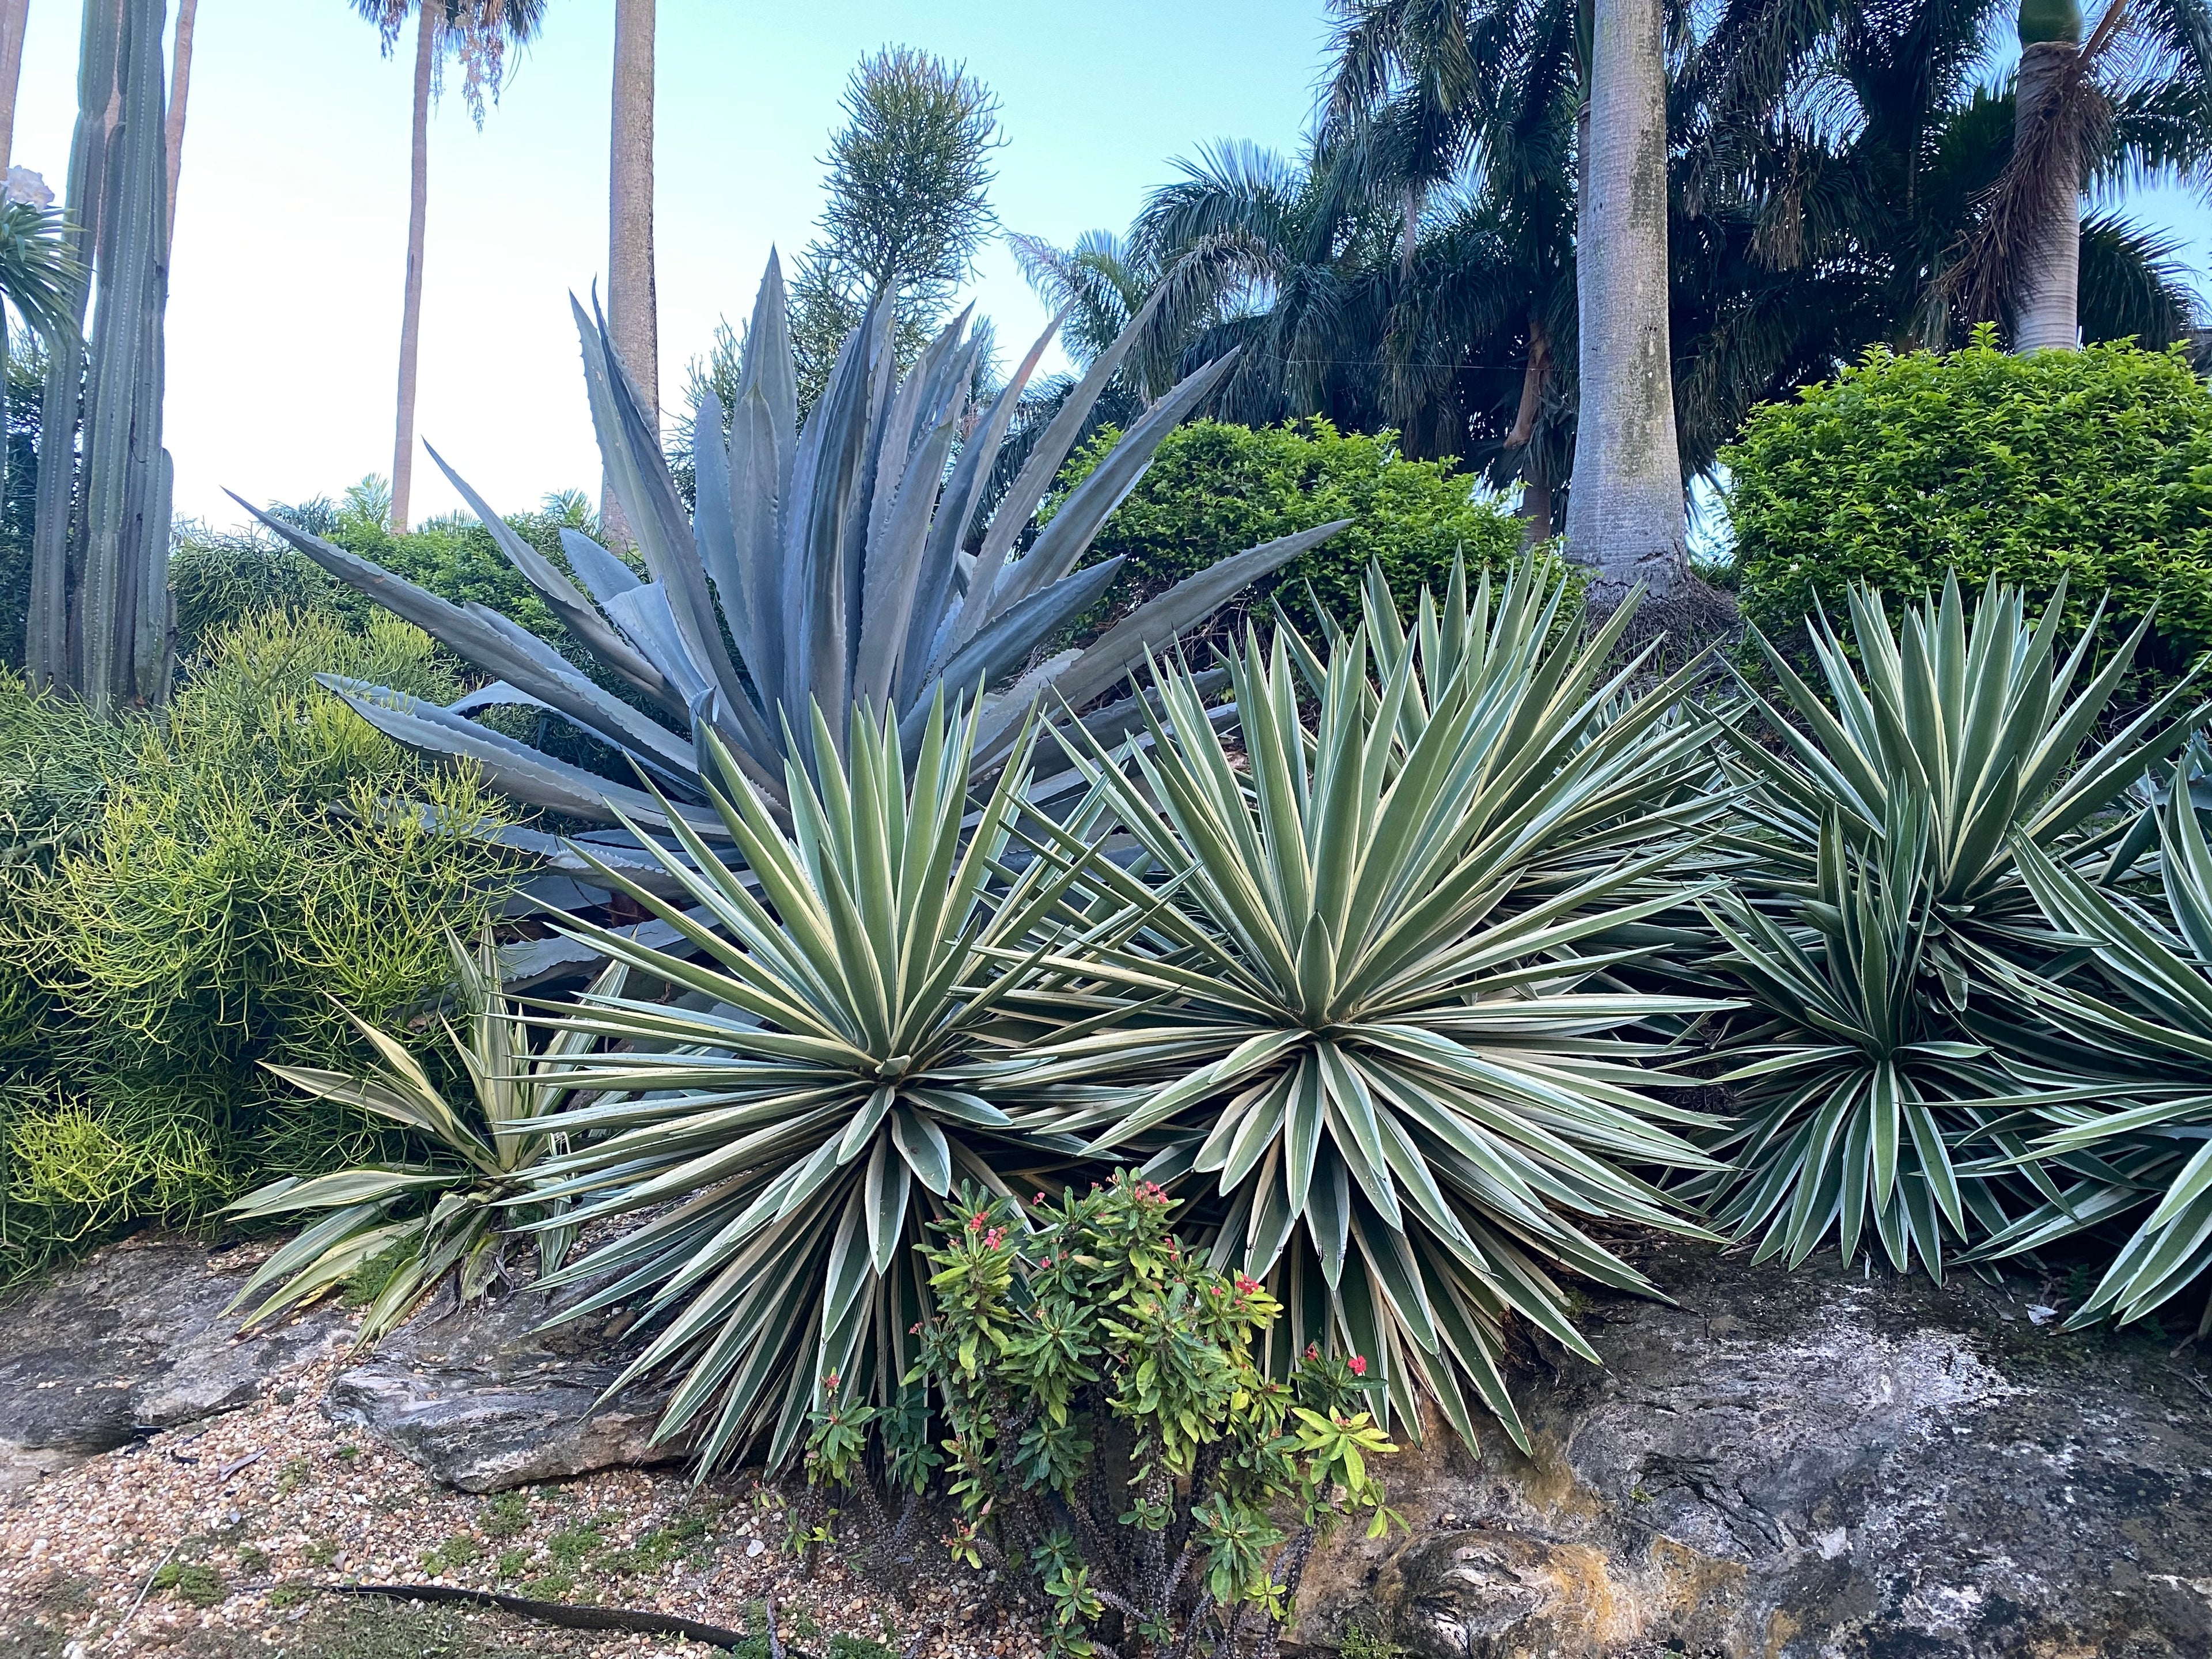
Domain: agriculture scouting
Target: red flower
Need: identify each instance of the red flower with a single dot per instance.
(1313, 1350)
(830, 1382)
(1358, 1365)
(1246, 1284)
(995, 1237)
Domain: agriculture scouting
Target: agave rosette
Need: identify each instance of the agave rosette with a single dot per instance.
(1977, 720)
(424, 1221)
(1856, 1091)
(1376, 1034)
(832, 1070)
(859, 559)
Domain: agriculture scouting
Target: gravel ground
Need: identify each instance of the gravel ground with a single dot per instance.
(218, 1540)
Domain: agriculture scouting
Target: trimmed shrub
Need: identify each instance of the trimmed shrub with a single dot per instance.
(2095, 464)
(1215, 490)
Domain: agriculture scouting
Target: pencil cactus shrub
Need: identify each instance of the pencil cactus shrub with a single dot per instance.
(850, 561)
(1114, 1448)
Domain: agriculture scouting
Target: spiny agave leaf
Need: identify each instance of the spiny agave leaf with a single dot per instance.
(597, 568)
(558, 591)
(1012, 636)
(957, 506)
(513, 767)
(1155, 623)
(639, 472)
(1062, 542)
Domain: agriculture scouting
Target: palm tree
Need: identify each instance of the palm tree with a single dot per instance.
(477, 32)
(633, 304)
(2136, 100)
(1627, 460)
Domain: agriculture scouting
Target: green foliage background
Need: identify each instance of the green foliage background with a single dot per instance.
(2096, 464)
(1215, 489)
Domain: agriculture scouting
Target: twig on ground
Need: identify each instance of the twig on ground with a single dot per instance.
(144, 1591)
(774, 1642)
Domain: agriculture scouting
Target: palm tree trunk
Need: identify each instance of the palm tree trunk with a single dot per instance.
(181, 86)
(1584, 469)
(633, 306)
(1636, 529)
(410, 314)
(2047, 314)
(14, 14)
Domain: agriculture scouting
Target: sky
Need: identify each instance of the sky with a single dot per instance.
(291, 221)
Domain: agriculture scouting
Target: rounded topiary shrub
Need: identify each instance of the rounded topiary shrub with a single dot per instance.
(2095, 464)
(1214, 489)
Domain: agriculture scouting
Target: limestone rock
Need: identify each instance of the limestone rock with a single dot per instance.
(131, 1340)
(1808, 1466)
(483, 1400)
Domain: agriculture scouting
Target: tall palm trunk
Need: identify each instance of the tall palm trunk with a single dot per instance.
(14, 14)
(410, 314)
(180, 84)
(1635, 528)
(2046, 312)
(1584, 469)
(633, 306)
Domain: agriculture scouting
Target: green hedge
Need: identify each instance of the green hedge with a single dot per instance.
(2096, 464)
(183, 896)
(1214, 489)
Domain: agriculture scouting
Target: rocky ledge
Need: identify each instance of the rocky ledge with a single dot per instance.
(1821, 1465)
(131, 1340)
(1817, 1465)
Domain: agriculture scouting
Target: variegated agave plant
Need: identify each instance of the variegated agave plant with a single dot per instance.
(853, 562)
(426, 1221)
(847, 1046)
(1382, 1055)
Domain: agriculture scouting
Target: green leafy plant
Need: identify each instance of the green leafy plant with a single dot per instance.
(822, 566)
(844, 1055)
(2091, 467)
(1214, 488)
(1376, 1040)
(1115, 1449)
(457, 1206)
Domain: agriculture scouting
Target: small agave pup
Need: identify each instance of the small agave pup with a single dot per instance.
(857, 561)
(462, 1213)
(847, 1045)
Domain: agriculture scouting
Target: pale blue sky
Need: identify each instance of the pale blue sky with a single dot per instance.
(285, 294)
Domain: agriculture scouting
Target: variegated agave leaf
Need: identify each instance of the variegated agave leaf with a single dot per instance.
(828, 565)
(424, 1221)
(2119, 1082)
(845, 1046)
(1379, 1043)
